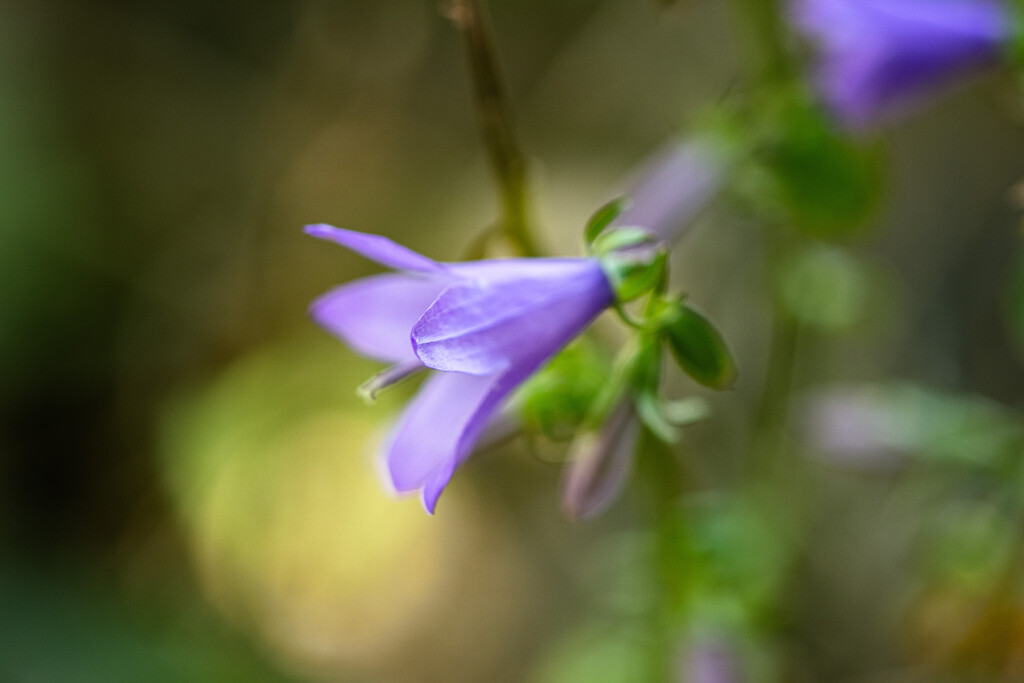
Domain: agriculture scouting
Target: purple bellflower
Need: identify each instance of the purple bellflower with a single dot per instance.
(487, 325)
(877, 57)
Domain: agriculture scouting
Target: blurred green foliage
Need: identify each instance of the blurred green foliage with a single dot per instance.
(60, 628)
(819, 180)
(825, 288)
(556, 400)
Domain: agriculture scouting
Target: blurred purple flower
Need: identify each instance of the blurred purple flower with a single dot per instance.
(668, 191)
(709, 658)
(487, 325)
(878, 56)
(853, 427)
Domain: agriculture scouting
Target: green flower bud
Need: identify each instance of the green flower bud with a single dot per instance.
(699, 349)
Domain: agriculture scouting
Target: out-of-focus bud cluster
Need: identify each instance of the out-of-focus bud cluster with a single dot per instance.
(601, 455)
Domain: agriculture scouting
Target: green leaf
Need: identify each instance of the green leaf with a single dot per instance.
(603, 217)
(700, 350)
(826, 184)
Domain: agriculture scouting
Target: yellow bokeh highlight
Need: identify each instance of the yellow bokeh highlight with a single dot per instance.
(295, 537)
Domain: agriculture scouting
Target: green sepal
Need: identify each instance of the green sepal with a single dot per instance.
(664, 418)
(649, 410)
(699, 349)
(645, 378)
(645, 368)
(635, 273)
(602, 218)
(610, 241)
(621, 380)
(686, 410)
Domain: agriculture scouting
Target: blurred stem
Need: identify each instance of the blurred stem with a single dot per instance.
(495, 117)
(773, 406)
(771, 418)
(667, 483)
(766, 39)
(766, 32)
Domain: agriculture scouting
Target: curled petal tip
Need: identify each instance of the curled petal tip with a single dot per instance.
(428, 506)
(317, 229)
(434, 487)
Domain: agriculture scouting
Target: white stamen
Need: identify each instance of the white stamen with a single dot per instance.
(388, 377)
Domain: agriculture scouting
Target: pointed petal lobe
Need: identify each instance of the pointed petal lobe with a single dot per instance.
(375, 315)
(377, 248)
(425, 443)
(441, 427)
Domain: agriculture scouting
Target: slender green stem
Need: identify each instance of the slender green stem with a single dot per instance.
(771, 417)
(667, 486)
(772, 412)
(495, 117)
(766, 39)
(769, 51)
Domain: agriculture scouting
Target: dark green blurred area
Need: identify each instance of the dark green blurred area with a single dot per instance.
(187, 489)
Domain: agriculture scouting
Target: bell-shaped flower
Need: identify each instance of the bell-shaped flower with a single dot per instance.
(877, 57)
(487, 325)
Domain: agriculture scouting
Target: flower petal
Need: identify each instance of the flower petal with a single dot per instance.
(442, 424)
(426, 444)
(486, 325)
(493, 271)
(374, 315)
(377, 248)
